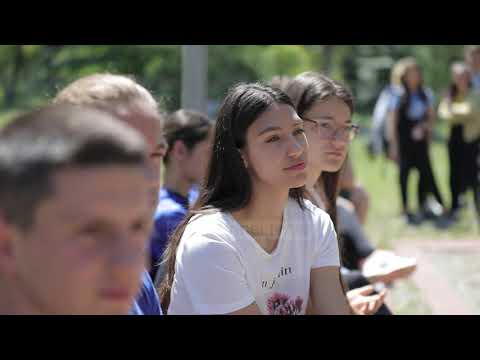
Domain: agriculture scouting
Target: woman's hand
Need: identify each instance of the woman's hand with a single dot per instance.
(364, 304)
(393, 152)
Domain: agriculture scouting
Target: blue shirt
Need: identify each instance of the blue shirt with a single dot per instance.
(380, 111)
(379, 118)
(476, 81)
(171, 210)
(147, 302)
(417, 106)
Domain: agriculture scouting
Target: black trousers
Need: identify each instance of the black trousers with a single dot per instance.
(472, 172)
(414, 155)
(457, 151)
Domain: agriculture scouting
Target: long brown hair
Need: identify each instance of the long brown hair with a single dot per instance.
(188, 126)
(305, 90)
(228, 186)
(453, 90)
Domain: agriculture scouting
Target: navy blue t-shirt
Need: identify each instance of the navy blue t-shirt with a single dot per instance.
(147, 302)
(171, 210)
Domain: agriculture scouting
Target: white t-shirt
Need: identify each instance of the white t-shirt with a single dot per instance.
(220, 268)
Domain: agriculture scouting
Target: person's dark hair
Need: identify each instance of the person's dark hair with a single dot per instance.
(35, 145)
(190, 127)
(305, 90)
(228, 186)
(410, 63)
(452, 91)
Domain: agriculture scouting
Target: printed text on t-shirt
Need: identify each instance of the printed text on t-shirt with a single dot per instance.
(269, 284)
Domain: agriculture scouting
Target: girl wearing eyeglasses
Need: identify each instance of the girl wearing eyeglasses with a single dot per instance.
(326, 108)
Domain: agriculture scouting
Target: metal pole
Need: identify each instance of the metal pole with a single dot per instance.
(194, 77)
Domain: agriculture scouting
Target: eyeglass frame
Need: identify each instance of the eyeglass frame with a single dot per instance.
(354, 129)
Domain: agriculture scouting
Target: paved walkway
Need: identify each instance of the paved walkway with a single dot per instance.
(446, 275)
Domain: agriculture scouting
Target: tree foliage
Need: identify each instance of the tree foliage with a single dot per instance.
(32, 74)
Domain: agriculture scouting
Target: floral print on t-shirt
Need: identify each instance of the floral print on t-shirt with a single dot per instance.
(281, 304)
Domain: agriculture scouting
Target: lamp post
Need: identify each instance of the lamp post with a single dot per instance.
(194, 77)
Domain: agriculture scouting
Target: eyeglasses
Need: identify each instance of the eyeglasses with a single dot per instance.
(325, 127)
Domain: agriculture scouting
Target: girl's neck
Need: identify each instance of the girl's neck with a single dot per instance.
(312, 178)
(173, 181)
(265, 204)
(262, 218)
(316, 194)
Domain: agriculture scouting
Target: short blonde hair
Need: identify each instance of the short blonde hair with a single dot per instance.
(404, 65)
(104, 91)
(396, 73)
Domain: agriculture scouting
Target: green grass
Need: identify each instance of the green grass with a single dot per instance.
(380, 178)
(6, 116)
(386, 228)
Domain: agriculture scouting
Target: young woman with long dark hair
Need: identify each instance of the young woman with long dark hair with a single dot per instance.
(252, 244)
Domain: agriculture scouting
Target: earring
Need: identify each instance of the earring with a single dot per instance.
(245, 162)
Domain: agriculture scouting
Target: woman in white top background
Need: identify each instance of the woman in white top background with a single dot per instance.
(252, 244)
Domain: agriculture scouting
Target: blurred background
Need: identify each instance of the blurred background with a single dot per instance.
(32, 74)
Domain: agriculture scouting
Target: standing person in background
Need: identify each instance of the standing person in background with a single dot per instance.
(189, 135)
(378, 136)
(472, 59)
(410, 128)
(122, 97)
(454, 109)
(74, 213)
(461, 107)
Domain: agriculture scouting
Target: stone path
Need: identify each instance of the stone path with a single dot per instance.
(448, 274)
